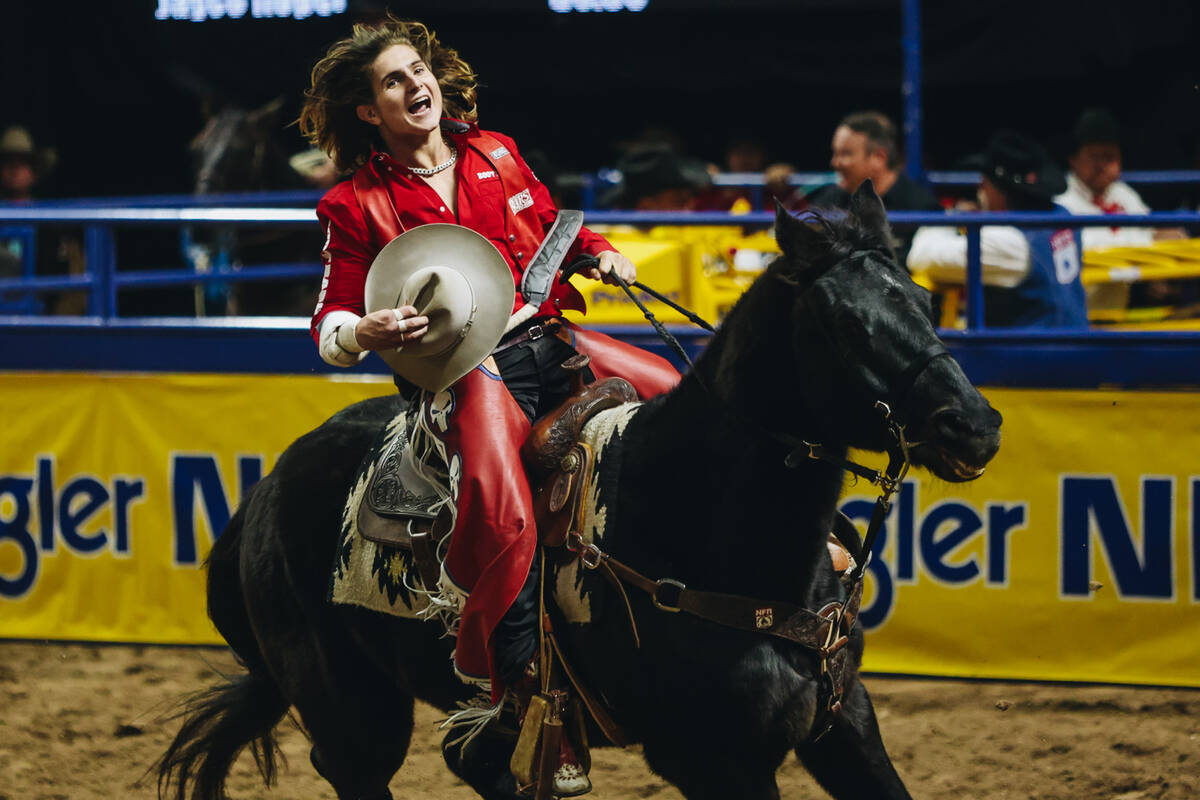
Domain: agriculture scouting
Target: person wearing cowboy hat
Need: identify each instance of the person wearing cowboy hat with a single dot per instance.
(21, 164)
(1031, 276)
(452, 214)
(656, 178)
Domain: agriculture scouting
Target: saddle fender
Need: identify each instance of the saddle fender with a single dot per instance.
(557, 463)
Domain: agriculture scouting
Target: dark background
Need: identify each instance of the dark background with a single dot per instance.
(101, 81)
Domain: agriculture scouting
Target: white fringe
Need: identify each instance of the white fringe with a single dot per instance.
(475, 715)
(427, 457)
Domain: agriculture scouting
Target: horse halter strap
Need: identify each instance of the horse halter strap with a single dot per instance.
(904, 384)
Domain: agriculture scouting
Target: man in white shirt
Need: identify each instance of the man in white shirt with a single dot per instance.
(1094, 185)
(1031, 276)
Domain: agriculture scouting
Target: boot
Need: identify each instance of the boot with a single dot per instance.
(569, 777)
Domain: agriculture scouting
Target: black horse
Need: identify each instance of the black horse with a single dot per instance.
(243, 150)
(705, 497)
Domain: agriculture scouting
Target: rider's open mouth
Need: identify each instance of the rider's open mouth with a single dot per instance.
(424, 104)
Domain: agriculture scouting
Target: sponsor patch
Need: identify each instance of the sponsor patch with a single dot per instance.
(1066, 256)
(520, 201)
(499, 151)
(487, 173)
(764, 617)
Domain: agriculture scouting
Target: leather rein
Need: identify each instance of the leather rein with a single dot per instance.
(827, 631)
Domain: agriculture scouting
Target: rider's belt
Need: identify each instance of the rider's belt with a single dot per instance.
(544, 327)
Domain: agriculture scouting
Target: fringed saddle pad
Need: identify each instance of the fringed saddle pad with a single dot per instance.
(576, 589)
(385, 579)
(376, 576)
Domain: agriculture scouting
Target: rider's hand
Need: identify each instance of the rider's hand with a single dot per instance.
(610, 260)
(390, 328)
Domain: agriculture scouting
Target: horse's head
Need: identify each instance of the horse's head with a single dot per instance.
(231, 153)
(863, 332)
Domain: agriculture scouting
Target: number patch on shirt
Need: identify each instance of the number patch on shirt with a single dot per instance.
(1066, 256)
(520, 201)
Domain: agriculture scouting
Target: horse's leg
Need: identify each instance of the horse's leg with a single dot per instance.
(359, 720)
(483, 764)
(712, 775)
(713, 751)
(850, 761)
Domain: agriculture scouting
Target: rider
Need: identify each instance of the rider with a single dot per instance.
(396, 107)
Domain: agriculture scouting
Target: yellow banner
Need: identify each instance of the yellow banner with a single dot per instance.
(112, 486)
(1075, 557)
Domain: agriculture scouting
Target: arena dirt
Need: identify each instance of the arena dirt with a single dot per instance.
(84, 723)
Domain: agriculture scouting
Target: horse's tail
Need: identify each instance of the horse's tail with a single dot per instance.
(219, 723)
(244, 710)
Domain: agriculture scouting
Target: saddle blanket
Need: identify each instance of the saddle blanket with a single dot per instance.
(385, 579)
(577, 590)
(365, 573)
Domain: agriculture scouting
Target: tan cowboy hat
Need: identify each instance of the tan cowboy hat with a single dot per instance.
(16, 142)
(460, 281)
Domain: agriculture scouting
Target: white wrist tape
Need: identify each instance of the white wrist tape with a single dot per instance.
(347, 338)
(338, 345)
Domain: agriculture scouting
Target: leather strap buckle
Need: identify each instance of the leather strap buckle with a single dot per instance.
(662, 605)
(590, 556)
(536, 332)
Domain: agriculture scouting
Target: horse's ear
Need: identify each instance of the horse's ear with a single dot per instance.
(867, 208)
(266, 114)
(797, 239)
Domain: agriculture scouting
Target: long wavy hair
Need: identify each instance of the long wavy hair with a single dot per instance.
(341, 81)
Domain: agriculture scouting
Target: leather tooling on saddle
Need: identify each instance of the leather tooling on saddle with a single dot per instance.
(402, 508)
(387, 558)
(558, 463)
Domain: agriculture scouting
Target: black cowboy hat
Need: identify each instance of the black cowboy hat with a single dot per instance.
(1019, 166)
(1096, 126)
(651, 169)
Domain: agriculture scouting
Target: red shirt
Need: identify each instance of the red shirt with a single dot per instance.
(353, 241)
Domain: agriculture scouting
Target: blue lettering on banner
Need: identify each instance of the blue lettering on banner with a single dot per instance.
(72, 515)
(192, 474)
(1002, 520)
(936, 535)
(16, 530)
(125, 491)
(1195, 506)
(62, 516)
(936, 550)
(1094, 504)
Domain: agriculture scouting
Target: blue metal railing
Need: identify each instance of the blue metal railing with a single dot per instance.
(103, 280)
(588, 185)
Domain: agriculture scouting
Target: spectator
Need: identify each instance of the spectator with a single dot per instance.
(656, 178)
(21, 165)
(1094, 184)
(745, 154)
(865, 146)
(1031, 276)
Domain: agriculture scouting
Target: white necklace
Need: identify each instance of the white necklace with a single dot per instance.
(449, 162)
